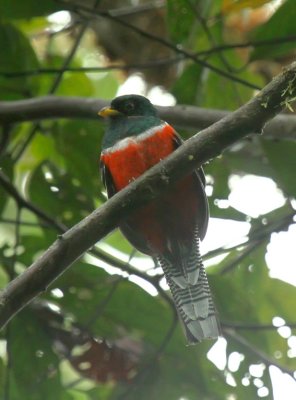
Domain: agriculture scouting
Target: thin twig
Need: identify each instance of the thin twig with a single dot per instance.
(164, 42)
(255, 43)
(261, 355)
(103, 303)
(243, 254)
(255, 327)
(25, 223)
(127, 67)
(150, 365)
(23, 203)
(151, 64)
(208, 33)
(212, 40)
(115, 262)
(257, 235)
(55, 84)
(257, 238)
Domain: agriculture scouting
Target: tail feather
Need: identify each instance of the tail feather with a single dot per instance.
(192, 295)
(186, 270)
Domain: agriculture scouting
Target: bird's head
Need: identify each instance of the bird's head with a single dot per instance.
(128, 115)
(128, 106)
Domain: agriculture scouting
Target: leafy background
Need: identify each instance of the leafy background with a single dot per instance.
(97, 333)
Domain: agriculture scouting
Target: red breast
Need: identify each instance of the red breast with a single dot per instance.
(131, 157)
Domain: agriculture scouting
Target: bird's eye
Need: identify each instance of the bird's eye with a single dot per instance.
(129, 107)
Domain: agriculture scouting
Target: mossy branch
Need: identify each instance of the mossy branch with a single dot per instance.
(201, 148)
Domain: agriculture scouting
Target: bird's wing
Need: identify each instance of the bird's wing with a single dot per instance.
(127, 231)
(201, 183)
(178, 141)
(107, 179)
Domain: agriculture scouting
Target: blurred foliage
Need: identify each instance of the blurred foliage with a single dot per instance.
(95, 334)
(281, 21)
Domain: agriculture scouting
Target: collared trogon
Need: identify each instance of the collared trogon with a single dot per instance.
(170, 227)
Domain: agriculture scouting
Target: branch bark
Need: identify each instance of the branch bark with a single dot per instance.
(192, 154)
(181, 116)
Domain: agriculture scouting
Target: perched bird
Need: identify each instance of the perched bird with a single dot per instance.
(170, 227)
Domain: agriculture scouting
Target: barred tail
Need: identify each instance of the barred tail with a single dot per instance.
(192, 296)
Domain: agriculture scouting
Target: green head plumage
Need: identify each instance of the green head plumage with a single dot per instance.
(128, 115)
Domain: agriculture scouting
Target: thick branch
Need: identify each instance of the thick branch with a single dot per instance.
(186, 117)
(61, 228)
(192, 154)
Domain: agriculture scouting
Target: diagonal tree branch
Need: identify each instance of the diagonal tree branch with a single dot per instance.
(181, 116)
(259, 354)
(61, 228)
(192, 154)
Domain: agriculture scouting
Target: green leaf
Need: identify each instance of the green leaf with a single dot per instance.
(223, 93)
(249, 289)
(79, 144)
(27, 8)
(74, 83)
(35, 367)
(16, 55)
(282, 158)
(58, 196)
(280, 25)
(118, 242)
(258, 297)
(180, 19)
(219, 174)
(5, 265)
(132, 313)
(238, 158)
(187, 87)
(34, 245)
(7, 169)
(32, 26)
(128, 306)
(225, 213)
(106, 87)
(43, 148)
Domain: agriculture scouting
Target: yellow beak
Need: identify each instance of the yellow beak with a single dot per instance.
(108, 112)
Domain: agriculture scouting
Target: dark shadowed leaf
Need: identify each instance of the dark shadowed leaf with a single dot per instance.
(282, 159)
(16, 54)
(280, 25)
(42, 379)
(7, 169)
(187, 88)
(27, 9)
